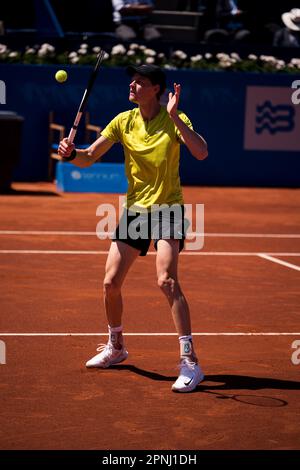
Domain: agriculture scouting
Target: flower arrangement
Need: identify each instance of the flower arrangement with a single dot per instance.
(138, 54)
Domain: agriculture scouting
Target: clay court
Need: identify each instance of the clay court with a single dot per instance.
(243, 291)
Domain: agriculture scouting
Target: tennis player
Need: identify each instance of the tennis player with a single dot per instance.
(151, 135)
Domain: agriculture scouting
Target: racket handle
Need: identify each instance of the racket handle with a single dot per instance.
(72, 135)
(75, 127)
(71, 138)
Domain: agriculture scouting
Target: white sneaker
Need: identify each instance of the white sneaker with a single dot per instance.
(189, 377)
(107, 356)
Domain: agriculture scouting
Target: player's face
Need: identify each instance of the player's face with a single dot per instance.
(141, 90)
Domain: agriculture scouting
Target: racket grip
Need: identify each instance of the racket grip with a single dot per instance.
(72, 135)
(75, 127)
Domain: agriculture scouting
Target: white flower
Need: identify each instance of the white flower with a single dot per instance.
(96, 49)
(225, 63)
(47, 47)
(119, 49)
(150, 52)
(82, 51)
(196, 58)
(208, 56)
(72, 54)
(161, 55)
(84, 46)
(293, 61)
(280, 64)
(74, 60)
(170, 67)
(130, 53)
(222, 56)
(269, 59)
(235, 56)
(42, 52)
(180, 54)
(3, 48)
(13, 54)
(142, 48)
(133, 46)
(106, 56)
(252, 57)
(150, 60)
(30, 50)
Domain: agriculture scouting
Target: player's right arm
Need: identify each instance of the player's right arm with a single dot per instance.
(85, 157)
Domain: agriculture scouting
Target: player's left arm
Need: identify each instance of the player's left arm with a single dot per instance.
(194, 142)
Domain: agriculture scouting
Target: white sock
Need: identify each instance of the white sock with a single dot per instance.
(186, 347)
(115, 336)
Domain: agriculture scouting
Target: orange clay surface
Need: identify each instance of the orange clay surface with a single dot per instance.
(51, 283)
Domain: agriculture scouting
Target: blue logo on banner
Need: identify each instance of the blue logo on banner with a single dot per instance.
(273, 119)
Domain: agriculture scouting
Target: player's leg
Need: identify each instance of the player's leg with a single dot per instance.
(120, 258)
(167, 277)
(166, 265)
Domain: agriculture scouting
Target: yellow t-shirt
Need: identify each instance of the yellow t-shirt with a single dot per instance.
(152, 151)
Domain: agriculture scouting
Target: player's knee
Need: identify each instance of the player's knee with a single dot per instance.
(111, 287)
(166, 282)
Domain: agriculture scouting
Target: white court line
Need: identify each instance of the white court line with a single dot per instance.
(279, 261)
(156, 334)
(198, 234)
(189, 253)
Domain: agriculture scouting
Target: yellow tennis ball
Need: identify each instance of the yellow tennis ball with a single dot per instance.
(61, 76)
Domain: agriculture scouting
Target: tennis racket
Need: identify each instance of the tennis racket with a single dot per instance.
(85, 97)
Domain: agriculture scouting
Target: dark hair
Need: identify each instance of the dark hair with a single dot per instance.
(153, 72)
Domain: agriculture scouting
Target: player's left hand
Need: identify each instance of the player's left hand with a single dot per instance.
(174, 100)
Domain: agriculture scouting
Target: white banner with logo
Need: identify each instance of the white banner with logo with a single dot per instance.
(272, 121)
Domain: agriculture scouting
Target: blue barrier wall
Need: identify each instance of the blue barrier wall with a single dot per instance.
(251, 126)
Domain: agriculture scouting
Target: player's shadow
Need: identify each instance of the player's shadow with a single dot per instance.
(213, 384)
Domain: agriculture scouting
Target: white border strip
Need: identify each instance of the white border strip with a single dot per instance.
(100, 234)
(279, 261)
(105, 252)
(155, 334)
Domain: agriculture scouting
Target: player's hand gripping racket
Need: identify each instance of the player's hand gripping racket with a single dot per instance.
(84, 100)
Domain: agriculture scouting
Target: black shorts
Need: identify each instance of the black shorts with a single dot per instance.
(138, 229)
